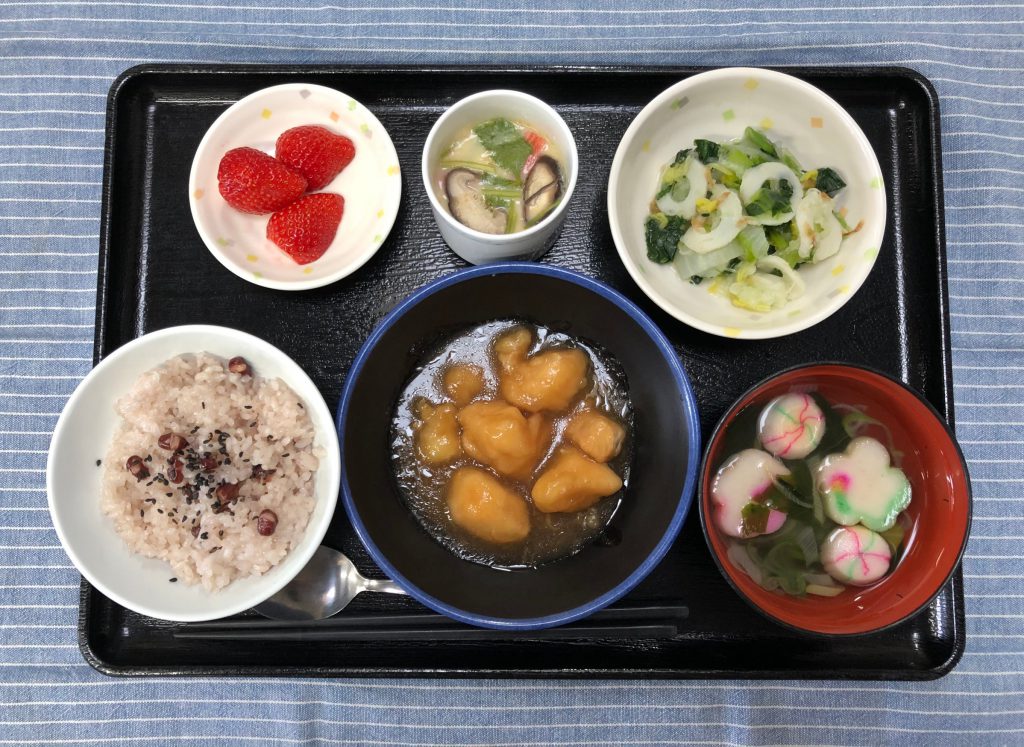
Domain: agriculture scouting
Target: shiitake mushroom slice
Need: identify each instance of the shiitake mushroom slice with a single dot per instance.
(467, 205)
(542, 188)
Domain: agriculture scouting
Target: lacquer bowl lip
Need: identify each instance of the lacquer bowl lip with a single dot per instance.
(668, 535)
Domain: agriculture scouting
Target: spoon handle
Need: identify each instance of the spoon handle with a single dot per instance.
(384, 585)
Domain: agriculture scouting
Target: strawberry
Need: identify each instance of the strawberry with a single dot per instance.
(316, 153)
(305, 229)
(253, 182)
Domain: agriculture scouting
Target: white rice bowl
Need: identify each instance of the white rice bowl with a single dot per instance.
(265, 424)
(132, 565)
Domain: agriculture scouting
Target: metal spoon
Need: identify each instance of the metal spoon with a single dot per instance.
(322, 589)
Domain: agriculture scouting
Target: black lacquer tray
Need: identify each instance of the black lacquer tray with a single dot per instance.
(154, 272)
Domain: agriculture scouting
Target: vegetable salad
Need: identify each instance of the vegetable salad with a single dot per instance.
(745, 215)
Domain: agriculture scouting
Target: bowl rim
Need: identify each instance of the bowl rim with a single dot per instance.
(387, 222)
(672, 92)
(685, 500)
(706, 529)
(327, 438)
(497, 241)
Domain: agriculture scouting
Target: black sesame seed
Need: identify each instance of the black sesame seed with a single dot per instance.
(248, 407)
(300, 405)
(149, 458)
(252, 424)
(203, 404)
(142, 513)
(173, 580)
(99, 462)
(159, 510)
(286, 454)
(192, 432)
(169, 495)
(204, 536)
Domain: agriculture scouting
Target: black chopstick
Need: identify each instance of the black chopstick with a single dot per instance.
(464, 633)
(377, 621)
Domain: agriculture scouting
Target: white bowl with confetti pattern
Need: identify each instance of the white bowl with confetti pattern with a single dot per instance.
(371, 185)
(718, 105)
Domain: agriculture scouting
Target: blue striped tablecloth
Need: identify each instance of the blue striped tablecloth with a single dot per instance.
(59, 58)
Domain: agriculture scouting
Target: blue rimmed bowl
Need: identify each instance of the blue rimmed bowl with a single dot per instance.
(665, 462)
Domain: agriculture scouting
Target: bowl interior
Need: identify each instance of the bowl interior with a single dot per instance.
(940, 506)
(478, 108)
(371, 185)
(655, 502)
(84, 432)
(718, 106)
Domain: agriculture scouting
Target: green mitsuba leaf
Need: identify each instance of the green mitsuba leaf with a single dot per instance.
(505, 143)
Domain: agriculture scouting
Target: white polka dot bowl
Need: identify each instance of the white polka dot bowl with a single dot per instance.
(371, 185)
(718, 105)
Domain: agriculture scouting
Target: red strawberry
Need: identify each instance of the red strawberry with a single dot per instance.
(316, 153)
(306, 228)
(253, 182)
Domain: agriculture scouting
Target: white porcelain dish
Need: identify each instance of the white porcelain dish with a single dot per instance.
(371, 185)
(73, 479)
(474, 246)
(718, 105)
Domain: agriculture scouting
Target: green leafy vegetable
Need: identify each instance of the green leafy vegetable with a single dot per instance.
(681, 157)
(828, 181)
(753, 242)
(774, 202)
(665, 189)
(505, 144)
(707, 150)
(778, 236)
(755, 518)
(663, 233)
(790, 160)
(725, 175)
(757, 139)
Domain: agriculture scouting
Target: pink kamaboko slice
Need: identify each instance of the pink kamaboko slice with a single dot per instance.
(791, 426)
(859, 486)
(855, 555)
(740, 483)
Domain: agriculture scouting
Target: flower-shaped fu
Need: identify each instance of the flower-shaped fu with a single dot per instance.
(860, 486)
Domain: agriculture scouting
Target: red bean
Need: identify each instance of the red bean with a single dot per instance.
(172, 442)
(228, 492)
(137, 467)
(266, 523)
(175, 472)
(239, 365)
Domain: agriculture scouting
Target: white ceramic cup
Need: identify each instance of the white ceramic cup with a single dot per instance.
(475, 246)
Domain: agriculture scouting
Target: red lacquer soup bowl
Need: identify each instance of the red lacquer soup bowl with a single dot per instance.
(939, 512)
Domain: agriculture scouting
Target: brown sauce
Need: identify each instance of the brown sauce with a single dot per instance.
(423, 486)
